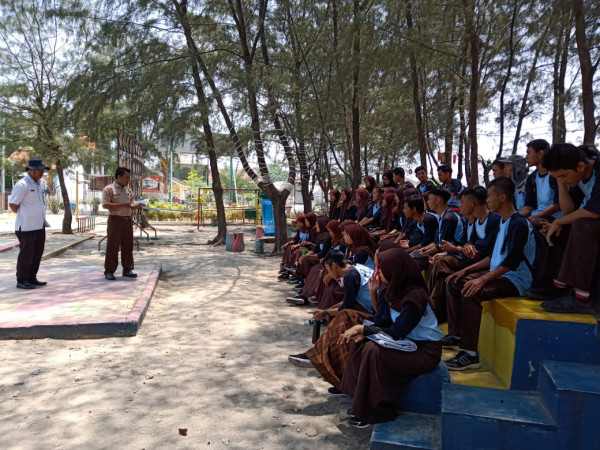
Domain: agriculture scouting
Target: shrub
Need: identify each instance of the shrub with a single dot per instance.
(54, 204)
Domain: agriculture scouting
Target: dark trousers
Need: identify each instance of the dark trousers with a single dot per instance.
(120, 234)
(439, 271)
(464, 313)
(581, 255)
(31, 249)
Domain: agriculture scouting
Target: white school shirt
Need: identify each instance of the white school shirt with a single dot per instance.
(29, 195)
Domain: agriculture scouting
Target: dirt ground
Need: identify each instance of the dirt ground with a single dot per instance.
(211, 357)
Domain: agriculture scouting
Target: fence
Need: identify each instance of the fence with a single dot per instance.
(249, 209)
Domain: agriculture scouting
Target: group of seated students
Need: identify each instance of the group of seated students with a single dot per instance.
(391, 262)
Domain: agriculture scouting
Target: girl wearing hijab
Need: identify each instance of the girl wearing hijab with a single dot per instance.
(335, 205)
(301, 236)
(313, 257)
(376, 376)
(362, 245)
(388, 214)
(305, 238)
(362, 200)
(400, 221)
(372, 217)
(388, 180)
(370, 184)
(348, 211)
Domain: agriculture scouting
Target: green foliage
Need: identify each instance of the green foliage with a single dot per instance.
(54, 204)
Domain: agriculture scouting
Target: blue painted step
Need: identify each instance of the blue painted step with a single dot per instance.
(482, 418)
(572, 393)
(409, 431)
(424, 393)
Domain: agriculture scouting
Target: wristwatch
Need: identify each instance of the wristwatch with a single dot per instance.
(326, 314)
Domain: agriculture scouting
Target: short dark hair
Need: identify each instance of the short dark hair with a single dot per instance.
(121, 171)
(441, 192)
(420, 168)
(539, 145)
(335, 256)
(446, 168)
(479, 193)
(590, 151)
(498, 163)
(399, 171)
(415, 202)
(563, 157)
(505, 186)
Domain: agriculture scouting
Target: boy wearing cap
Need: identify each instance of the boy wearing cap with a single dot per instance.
(27, 201)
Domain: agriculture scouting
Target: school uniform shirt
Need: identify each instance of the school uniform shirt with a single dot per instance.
(423, 233)
(356, 288)
(29, 195)
(541, 192)
(409, 184)
(456, 188)
(428, 186)
(301, 236)
(322, 248)
(482, 235)
(352, 213)
(514, 243)
(519, 199)
(450, 229)
(591, 190)
(363, 258)
(374, 212)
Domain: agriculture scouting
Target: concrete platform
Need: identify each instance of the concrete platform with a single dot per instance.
(77, 303)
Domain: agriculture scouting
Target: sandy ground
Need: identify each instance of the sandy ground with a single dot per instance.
(211, 357)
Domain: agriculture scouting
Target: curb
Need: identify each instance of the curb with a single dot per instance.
(64, 248)
(8, 246)
(122, 327)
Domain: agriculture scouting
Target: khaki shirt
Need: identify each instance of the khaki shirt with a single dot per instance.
(114, 193)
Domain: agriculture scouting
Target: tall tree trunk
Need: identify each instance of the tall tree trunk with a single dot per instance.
(473, 179)
(68, 217)
(511, 57)
(356, 62)
(414, 74)
(559, 126)
(587, 74)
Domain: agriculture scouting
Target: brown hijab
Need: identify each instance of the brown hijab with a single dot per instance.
(311, 218)
(346, 204)
(405, 280)
(361, 239)
(388, 211)
(335, 204)
(362, 202)
(371, 183)
(334, 226)
(323, 234)
(300, 221)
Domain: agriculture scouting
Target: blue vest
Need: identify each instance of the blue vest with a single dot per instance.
(427, 328)
(545, 195)
(587, 188)
(303, 236)
(364, 295)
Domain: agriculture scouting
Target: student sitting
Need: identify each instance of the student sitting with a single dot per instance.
(370, 184)
(327, 356)
(422, 230)
(387, 180)
(335, 205)
(578, 249)
(541, 188)
(506, 273)
(348, 211)
(361, 244)
(450, 228)
(425, 185)
(314, 256)
(481, 235)
(301, 236)
(399, 180)
(516, 169)
(373, 215)
(451, 184)
(400, 221)
(376, 376)
(362, 200)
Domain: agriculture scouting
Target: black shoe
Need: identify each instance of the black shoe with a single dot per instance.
(284, 276)
(37, 282)
(334, 392)
(462, 361)
(297, 300)
(300, 360)
(300, 284)
(294, 279)
(357, 423)
(130, 275)
(569, 305)
(25, 285)
(449, 341)
(546, 293)
(110, 276)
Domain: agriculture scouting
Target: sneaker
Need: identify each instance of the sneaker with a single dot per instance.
(297, 300)
(545, 293)
(462, 361)
(290, 268)
(334, 392)
(300, 360)
(450, 341)
(312, 300)
(300, 284)
(293, 279)
(284, 276)
(569, 305)
(357, 423)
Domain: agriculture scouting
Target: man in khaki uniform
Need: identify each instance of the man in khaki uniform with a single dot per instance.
(118, 199)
